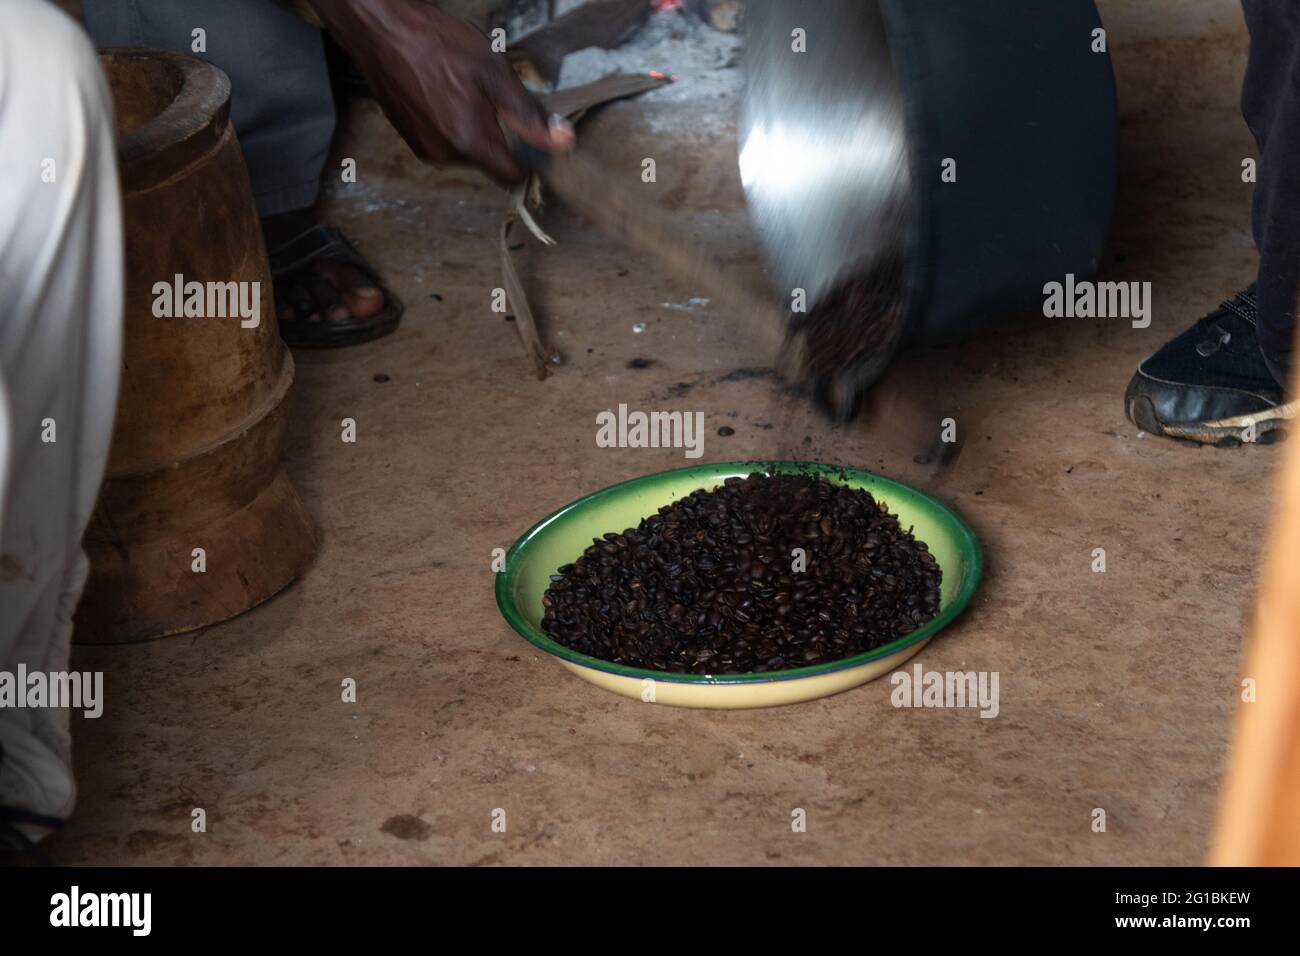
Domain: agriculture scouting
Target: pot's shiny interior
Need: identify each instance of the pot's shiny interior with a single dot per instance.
(823, 148)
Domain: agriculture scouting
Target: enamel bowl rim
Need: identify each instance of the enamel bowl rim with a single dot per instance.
(967, 545)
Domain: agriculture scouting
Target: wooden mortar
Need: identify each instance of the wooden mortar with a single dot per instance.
(204, 403)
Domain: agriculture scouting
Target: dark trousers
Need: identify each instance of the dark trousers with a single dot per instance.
(1270, 101)
(280, 100)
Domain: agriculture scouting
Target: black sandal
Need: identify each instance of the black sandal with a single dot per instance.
(326, 242)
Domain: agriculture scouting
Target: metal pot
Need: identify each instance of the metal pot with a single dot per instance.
(974, 141)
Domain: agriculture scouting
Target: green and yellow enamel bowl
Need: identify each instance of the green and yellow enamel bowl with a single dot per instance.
(560, 538)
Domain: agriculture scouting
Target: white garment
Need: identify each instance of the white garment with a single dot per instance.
(61, 275)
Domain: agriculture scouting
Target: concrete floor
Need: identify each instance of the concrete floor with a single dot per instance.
(1116, 688)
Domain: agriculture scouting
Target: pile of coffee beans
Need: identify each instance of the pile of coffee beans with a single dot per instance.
(761, 574)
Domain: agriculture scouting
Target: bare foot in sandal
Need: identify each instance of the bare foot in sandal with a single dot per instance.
(326, 294)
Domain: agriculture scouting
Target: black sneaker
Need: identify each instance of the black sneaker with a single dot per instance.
(1210, 384)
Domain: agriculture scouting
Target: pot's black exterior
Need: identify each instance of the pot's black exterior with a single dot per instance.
(1012, 90)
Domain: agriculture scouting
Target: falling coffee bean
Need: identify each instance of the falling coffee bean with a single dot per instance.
(707, 584)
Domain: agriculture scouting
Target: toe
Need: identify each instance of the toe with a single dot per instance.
(356, 290)
(328, 299)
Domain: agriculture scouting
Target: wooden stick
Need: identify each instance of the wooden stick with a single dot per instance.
(1259, 817)
(615, 208)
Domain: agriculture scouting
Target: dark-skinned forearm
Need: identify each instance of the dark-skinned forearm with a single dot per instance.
(351, 22)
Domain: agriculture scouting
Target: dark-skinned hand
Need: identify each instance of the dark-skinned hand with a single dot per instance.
(440, 83)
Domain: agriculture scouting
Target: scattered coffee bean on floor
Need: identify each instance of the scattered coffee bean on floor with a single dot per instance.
(711, 583)
(726, 431)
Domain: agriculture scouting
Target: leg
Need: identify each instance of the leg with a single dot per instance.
(281, 103)
(1222, 380)
(60, 353)
(1270, 101)
(283, 113)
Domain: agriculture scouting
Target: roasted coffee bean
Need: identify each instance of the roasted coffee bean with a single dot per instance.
(706, 585)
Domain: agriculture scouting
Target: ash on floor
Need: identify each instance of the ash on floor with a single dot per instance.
(675, 41)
